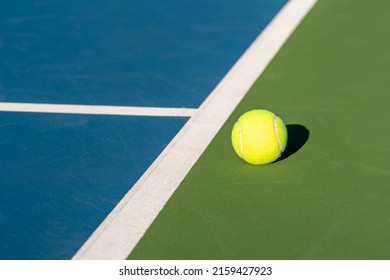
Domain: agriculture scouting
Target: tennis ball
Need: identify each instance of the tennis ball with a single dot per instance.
(259, 137)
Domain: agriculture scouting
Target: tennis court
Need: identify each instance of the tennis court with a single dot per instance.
(115, 122)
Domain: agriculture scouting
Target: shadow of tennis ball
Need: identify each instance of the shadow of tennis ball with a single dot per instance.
(297, 137)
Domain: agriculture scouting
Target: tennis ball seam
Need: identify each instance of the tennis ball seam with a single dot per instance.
(277, 134)
(241, 139)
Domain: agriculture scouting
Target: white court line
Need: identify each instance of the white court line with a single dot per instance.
(96, 110)
(119, 233)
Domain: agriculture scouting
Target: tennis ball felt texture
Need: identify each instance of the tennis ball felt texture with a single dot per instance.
(259, 137)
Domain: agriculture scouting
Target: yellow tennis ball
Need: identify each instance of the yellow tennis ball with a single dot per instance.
(259, 137)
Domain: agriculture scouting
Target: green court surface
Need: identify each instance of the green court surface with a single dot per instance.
(329, 196)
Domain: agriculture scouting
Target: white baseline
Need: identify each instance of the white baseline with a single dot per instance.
(119, 233)
(96, 109)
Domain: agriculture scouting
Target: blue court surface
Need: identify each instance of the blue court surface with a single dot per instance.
(62, 174)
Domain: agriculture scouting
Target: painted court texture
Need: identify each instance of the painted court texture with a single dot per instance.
(326, 198)
(62, 174)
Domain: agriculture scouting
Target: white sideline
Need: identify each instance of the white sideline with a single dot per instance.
(119, 233)
(96, 109)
